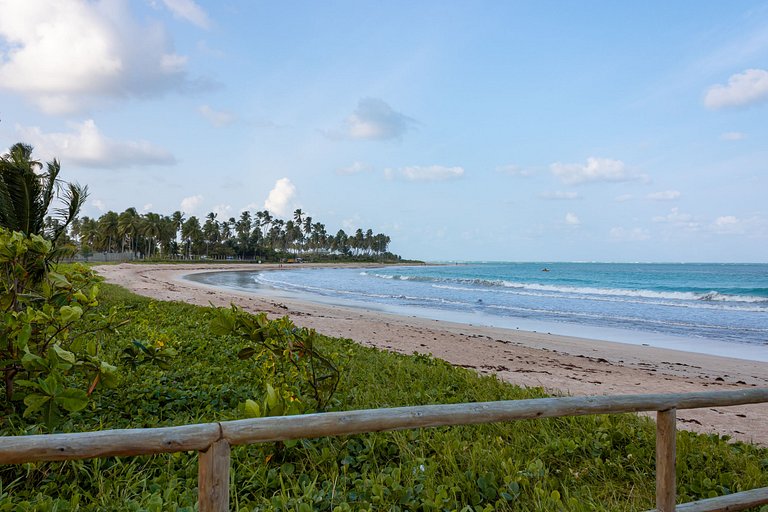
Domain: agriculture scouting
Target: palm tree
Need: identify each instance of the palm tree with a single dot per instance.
(128, 224)
(243, 230)
(192, 234)
(297, 220)
(26, 196)
(108, 229)
(178, 221)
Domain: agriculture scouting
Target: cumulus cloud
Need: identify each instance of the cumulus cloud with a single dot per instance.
(188, 10)
(215, 117)
(594, 170)
(355, 168)
(664, 195)
(623, 198)
(373, 119)
(64, 54)
(85, 145)
(733, 136)
(572, 219)
(281, 198)
(147, 207)
(222, 211)
(629, 235)
(560, 195)
(746, 88)
(426, 173)
(99, 205)
(191, 203)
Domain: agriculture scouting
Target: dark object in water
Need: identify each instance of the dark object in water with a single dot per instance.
(545, 269)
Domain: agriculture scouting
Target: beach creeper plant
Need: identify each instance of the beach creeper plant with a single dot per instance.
(49, 331)
(299, 377)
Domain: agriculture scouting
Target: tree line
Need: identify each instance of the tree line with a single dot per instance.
(29, 191)
(257, 236)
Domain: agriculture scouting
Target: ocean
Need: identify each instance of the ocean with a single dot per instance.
(720, 309)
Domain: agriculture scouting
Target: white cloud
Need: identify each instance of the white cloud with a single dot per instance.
(514, 170)
(678, 219)
(629, 235)
(426, 173)
(746, 88)
(665, 195)
(728, 225)
(623, 198)
(596, 169)
(733, 136)
(355, 168)
(190, 11)
(572, 219)
(147, 207)
(63, 55)
(223, 211)
(215, 117)
(99, 205)
(191, 203)
(281, 198)
(560, 195)
(87, 146)
(374, 119)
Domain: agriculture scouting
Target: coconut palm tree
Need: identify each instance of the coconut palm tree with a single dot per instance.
(26, 196)
(109, 231)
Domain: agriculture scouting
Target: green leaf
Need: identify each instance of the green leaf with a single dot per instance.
(50, 385)
(223, 323)
(271, 397)
(246, 353)
(33, 363)
(34, 403)
(252, 409)
(72, 399)
(64, 355)
(70, 313)
(109, 374)
(22, 339)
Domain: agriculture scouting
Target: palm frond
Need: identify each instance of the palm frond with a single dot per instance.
(73, 197)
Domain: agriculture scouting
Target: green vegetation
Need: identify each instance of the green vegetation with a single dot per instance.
(586, 463)
(260, 237)
(51, 331)
(27, 195)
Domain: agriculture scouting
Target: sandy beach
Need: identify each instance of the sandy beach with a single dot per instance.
(561, 364)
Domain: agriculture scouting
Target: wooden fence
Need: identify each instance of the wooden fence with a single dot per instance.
(213, 440)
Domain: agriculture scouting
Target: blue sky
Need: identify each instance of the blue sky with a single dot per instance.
(608, 131)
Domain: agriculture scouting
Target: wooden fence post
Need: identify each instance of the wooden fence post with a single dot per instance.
(666, 425)
(213, 478)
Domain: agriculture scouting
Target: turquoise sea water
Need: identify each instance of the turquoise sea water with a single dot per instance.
(711, 308)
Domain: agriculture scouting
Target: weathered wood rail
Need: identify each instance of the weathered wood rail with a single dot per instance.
(213, 440)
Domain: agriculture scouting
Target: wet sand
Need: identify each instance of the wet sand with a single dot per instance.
(562, 365)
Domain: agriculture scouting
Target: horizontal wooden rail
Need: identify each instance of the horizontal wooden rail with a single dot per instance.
(212, 440)
(730, 502)
(106, 443)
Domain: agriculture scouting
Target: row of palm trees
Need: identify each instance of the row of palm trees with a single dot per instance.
(258, 236)
(33, 200)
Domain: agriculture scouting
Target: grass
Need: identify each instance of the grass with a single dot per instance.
(584, 463)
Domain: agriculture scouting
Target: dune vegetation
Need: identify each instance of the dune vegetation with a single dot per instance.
(172, 368)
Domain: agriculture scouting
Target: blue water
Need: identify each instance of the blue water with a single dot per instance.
(688, 306)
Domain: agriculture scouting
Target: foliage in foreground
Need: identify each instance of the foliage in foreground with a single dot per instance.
(586, 463)
(50, 327)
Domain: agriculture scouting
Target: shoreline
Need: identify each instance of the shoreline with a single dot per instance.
(564, 365)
